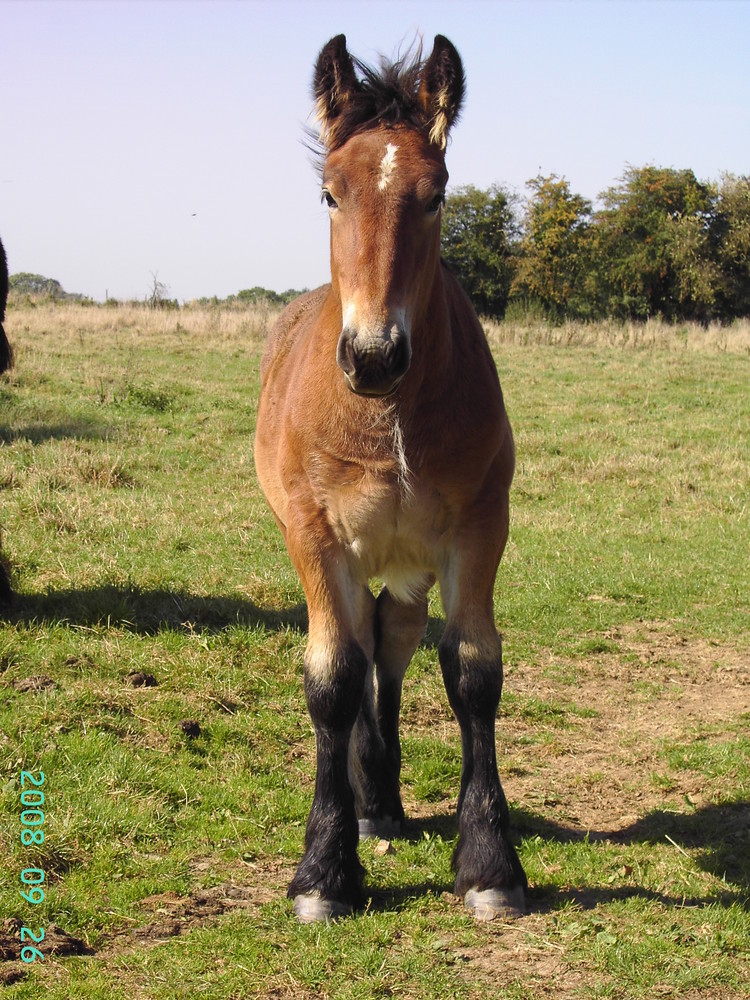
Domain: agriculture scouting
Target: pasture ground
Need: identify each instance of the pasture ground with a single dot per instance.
(151, 667)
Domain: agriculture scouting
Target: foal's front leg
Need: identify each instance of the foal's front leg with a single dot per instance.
(328, 882)
(489, 874)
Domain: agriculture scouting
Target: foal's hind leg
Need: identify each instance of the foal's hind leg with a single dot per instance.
(375, 756)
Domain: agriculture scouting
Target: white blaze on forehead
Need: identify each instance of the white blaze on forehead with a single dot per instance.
(387, 166)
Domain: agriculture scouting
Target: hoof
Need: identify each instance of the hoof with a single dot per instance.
(312, 909)
(382, 827)
(489, 904)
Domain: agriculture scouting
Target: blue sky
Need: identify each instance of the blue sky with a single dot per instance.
(143, 138)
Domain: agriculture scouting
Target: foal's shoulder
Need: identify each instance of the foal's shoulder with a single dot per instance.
(294, 318)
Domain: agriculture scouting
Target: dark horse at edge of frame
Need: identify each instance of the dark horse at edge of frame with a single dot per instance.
(384, 451)
(6, 360)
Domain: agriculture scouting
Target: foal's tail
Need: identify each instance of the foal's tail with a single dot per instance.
(6, 353)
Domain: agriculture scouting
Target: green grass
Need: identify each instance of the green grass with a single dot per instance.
(139, 542)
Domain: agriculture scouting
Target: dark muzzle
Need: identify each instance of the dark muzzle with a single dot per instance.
(374, 365)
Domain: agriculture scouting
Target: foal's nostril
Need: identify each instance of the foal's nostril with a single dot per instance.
(400, 355)
(346, 352)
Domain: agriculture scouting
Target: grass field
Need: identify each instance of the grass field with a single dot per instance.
(151, 668)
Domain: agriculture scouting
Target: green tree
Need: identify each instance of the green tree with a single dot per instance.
(36, 284)
(260, 294)
(697, 274)
(732, 243)
(652, 246)
(552, 255)
(479, 229)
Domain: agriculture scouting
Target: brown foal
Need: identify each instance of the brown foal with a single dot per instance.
(384, 451)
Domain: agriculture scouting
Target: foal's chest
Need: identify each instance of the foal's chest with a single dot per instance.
(390, 521)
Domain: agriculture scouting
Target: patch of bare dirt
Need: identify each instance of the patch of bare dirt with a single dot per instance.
(26, 684)
(524, 953)
(600, 767)
(56, 942)
(165, 915)
(168, 914)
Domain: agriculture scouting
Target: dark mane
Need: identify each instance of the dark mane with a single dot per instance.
(387, 96)
(384, 95)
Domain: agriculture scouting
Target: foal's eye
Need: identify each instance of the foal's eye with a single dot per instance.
(329, 199)
(435, 203)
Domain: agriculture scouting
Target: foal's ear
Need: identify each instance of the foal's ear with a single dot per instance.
(334, 83)
(441, 90)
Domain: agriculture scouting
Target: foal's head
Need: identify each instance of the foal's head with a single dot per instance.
(384, 137)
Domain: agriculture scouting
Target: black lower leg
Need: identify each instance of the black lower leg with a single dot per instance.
(6, 594)
(330, 867)
(484, 857)
(375, 767)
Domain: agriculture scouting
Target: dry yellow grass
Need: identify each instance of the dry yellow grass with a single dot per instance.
(238, 322)
(653, 334)
(27, 321)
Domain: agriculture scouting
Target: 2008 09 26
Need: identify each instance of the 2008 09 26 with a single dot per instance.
(32, 834)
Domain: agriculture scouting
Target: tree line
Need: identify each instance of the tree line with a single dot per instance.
(661, 243)
(36, 287)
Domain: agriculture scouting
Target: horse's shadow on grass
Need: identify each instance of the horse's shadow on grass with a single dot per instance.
(718, 837)
(721, 833)
(38, 433)
(147, 611)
